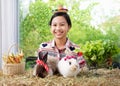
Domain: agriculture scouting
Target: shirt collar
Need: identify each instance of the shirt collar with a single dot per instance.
(53, 43)
(68, 44)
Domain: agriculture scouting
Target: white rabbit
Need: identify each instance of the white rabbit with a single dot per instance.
(68, 67)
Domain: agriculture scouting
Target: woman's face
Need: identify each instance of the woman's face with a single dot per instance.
(59, 27)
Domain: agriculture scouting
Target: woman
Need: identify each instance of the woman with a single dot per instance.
(60, 46)
(60, 24)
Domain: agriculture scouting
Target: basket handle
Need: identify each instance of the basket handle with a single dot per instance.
(12, 47)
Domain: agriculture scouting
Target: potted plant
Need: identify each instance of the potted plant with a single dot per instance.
(111, 49)
(99, 53)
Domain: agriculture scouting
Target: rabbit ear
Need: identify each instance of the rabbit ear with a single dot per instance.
(40, 55)
(45, 57)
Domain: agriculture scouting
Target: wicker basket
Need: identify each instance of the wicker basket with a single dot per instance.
(13, 69)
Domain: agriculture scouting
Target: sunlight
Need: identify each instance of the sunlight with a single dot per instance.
(45, 1)
(105, 10)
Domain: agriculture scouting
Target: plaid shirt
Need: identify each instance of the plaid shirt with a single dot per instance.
(54, 52)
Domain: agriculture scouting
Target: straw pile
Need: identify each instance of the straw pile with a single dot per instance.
(102, 77)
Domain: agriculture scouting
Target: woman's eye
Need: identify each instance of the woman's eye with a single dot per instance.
(62, 24)
(54, 25)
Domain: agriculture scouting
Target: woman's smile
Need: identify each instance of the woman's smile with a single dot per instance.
(58, 33)
(59, 27)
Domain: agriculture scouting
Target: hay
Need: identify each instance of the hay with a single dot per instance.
(102, 77)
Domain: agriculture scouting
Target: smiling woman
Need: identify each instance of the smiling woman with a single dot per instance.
(8, 25)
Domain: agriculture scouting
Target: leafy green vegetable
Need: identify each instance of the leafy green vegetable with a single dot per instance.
(99, 51)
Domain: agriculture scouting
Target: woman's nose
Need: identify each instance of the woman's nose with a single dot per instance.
(58, 27)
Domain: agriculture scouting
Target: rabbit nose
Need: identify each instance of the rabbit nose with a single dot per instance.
(75, 67)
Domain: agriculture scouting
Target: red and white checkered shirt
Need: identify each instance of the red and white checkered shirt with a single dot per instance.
(54, 52)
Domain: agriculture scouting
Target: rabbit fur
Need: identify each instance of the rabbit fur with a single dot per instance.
(68, 67)
(39, 70)
(51, 62)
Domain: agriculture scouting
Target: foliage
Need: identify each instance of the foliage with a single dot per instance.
(97, 52)
(81, 25)
(85, 33)
(111, 27)
(34, 28)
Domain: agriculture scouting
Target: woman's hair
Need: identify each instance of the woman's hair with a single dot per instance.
(64, 14)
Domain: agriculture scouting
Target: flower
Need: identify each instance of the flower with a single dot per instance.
(80, 54)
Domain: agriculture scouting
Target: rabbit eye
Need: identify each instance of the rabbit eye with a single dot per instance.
(69, 63)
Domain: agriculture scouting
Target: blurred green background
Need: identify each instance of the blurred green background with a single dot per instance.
(34, 28)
